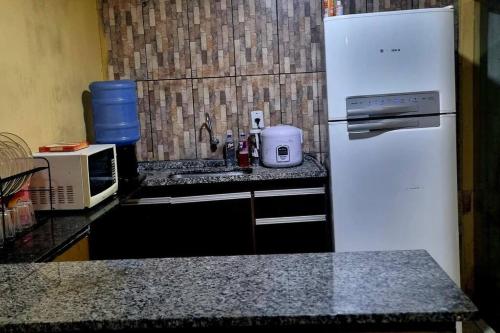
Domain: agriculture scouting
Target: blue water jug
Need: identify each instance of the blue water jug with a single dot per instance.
(114, 105)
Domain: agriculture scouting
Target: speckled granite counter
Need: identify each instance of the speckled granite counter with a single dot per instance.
(401, 287)
(54, 234)
(159, 173)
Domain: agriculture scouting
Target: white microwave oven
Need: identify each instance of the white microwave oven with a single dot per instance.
(80, 179)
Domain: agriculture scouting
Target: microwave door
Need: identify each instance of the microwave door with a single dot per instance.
(102, 171)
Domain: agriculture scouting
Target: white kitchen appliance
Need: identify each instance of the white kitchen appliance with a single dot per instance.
(391, 112)
(281, 146)
(80, 179)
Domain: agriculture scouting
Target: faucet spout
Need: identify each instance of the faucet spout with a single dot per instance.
(208, 125)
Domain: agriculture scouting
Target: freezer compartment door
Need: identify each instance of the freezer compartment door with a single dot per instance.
(390, 52)
(396, 188)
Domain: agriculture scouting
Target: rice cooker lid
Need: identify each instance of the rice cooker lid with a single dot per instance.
(281, 131)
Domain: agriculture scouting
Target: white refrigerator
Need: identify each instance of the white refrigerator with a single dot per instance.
(391, 122)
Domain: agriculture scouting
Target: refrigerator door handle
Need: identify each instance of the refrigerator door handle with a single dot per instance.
(382, 125)
(380, 111)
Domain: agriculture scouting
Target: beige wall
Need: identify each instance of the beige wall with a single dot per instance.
(49, 53)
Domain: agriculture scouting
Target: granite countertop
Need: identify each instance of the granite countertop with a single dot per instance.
(159, 173)
(237, 291)
(54, 234)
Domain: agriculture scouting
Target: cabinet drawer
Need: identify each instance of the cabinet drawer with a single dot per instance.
(290, 202)
(292, 238)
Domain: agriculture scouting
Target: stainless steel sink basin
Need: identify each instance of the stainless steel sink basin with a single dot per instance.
(208, 174)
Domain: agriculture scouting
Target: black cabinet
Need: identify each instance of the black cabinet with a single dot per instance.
(212, 224)
(217, 219)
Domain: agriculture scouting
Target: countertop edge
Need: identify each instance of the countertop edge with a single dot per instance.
(341, 320)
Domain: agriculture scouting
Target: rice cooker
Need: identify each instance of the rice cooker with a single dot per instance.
(281, 146)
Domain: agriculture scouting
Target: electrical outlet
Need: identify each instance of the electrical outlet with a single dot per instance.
(257, 119)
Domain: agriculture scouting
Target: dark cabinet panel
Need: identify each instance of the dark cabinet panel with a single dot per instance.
(132, 231)
(170, 227)
(292, 237)
(212, 228)
(281, 203)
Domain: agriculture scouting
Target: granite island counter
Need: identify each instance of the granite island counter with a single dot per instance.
(398, 290)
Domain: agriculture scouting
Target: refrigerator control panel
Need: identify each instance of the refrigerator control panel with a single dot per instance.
(416, 103)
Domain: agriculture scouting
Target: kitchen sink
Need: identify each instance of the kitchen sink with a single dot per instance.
(195, 174)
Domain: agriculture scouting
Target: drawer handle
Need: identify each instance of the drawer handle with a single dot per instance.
(289, 192)
(290, 219)
(147, 201)
(211, 197)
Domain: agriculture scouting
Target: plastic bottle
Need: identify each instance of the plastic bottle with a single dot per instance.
(331, 8)
(229, 150)
(340, 8)
(243, 160)
(253, 148)
(325, 8)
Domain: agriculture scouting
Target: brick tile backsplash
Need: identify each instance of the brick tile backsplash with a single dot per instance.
(432, 3)
(124, 32)
(167, 39)
(211, 37)
(217, 97)
(300, 107)
(255, 37)
(300, 28)
(322, 114)
(145, 144)
(172, 119)
(260, 93)
(387, 5)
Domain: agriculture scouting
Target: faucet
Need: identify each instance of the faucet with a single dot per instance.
(208, 125)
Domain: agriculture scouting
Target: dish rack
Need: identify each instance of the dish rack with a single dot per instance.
(5, 198)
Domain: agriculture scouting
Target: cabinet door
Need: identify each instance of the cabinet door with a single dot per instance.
(285, 235)
(214, 224)
(290, 202)
(134, 230)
